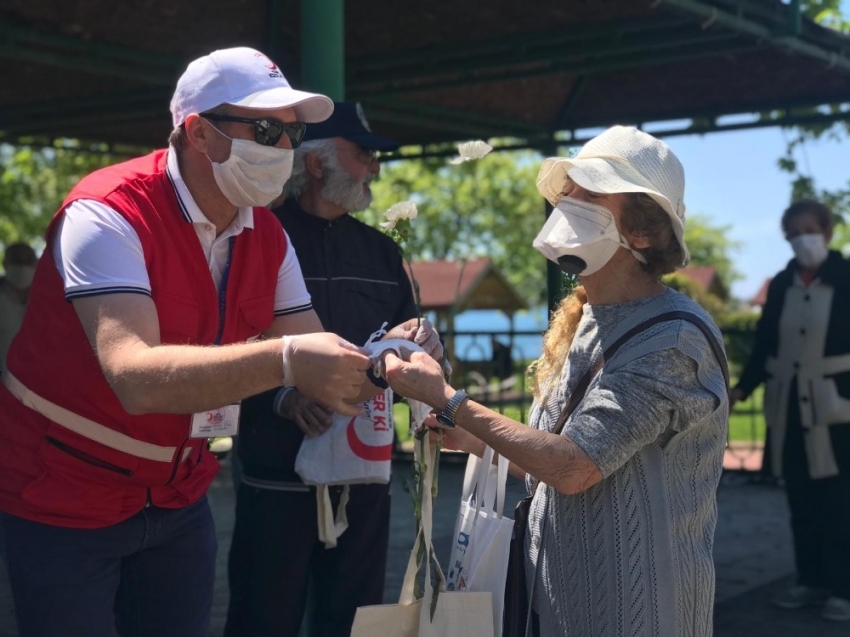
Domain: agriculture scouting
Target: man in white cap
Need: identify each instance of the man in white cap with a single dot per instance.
(160, 302)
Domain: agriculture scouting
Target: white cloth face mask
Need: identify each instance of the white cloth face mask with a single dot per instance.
(581, 237)
(253, 175)
(810, 249)
(20, 276)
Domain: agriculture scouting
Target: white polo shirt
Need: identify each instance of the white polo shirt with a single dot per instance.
(97, 251)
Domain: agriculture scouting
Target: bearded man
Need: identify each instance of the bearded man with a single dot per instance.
(357, 282)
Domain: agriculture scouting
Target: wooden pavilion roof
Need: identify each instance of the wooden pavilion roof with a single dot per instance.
(104, 71)
(464, 285)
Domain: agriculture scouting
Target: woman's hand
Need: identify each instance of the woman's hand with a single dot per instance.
(456, 439)
(736, 395)
(420, 379)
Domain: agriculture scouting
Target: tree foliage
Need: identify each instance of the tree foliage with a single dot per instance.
(33, 183)
(711, 245)
(827, 13)
(488, 207)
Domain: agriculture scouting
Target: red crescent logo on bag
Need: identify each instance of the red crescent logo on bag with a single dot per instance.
(374, 453)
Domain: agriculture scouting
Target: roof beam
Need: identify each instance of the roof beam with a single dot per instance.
(501, 126)
(631, 60)
(782, 39)
(412, 61)
(700, 124)
(73, 53)
(537, 53)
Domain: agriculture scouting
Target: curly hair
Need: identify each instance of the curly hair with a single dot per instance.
(644, 217)
(821, 212)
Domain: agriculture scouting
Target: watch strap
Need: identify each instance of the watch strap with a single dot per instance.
(450, 411)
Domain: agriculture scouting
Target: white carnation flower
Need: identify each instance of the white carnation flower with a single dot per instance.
(471, 150)
(388, 225)
(402, 210)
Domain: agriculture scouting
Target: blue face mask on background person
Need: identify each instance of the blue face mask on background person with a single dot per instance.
(253, 175)
(581, 237)
(810, 249)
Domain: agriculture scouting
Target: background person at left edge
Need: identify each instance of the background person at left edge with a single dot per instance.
(19, 263)
(357, 281)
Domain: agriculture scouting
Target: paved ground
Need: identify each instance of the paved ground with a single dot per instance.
(752, 554)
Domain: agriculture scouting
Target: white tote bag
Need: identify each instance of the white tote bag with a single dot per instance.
(454, 614)
(354, 450)
(482, 539)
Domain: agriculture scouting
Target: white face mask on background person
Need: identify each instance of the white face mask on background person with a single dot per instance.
(20, 276)
(253, 175)
(581, 237)
(810, 249)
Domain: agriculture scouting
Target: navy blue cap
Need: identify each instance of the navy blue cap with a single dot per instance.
(349, 122)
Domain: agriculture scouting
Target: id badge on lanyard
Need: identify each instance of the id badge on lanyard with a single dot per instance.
(223, 421)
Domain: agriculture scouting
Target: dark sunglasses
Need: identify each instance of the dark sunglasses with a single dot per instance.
(267, 131)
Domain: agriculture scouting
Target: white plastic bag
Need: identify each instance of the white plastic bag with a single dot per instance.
(482, 539)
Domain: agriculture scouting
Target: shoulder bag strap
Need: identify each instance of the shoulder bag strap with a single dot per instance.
(578, 394)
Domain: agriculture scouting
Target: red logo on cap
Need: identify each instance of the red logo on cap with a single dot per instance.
(271, 65)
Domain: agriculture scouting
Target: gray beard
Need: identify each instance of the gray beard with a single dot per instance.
(346, 191)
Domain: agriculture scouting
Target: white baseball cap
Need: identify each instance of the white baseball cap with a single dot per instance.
(620, 160)
(243, 77)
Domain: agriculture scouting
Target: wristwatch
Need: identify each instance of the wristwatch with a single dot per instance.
(447, 416)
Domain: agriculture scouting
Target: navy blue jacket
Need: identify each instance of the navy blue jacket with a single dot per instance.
(355, 275)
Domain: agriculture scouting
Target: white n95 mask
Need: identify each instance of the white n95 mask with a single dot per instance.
(810, 250)
(581, 237)
(253, 175)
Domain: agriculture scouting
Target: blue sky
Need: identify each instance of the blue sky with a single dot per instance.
(733, 179)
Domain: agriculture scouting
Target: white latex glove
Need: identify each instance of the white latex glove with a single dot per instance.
(326, 368)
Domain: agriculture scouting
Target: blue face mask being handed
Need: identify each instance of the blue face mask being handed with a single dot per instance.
(581, 237)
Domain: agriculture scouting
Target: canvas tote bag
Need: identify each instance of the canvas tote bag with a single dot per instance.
(454, 614)
(482, 538)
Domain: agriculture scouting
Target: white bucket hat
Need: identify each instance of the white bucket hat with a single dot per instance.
(243, 77)
(621, 160)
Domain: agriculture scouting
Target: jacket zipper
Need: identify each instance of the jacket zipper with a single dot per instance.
(177, 460)
(86, 457)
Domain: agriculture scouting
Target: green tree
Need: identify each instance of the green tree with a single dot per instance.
(828, 14)
(711, 245)
(34, 181)
(487, 207)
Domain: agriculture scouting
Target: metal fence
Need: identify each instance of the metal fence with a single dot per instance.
(492, 367)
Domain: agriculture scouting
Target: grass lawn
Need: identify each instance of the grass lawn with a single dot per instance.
(746, 423)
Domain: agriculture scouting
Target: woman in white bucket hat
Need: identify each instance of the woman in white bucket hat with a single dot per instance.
(626, 447)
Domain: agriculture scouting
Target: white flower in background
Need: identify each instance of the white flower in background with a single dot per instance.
(471, 150)
(405, 210)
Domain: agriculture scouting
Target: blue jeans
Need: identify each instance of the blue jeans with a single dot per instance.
(150, 575)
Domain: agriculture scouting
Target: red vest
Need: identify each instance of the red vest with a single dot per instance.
(53, 474)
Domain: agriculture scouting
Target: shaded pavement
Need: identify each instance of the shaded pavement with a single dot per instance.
(753, 555)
